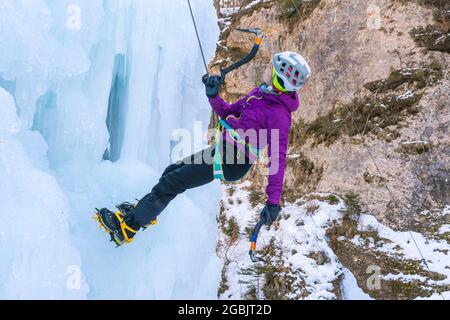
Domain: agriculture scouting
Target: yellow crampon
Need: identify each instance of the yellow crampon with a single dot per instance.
(96, 217)
(124, 227)
(152, 223)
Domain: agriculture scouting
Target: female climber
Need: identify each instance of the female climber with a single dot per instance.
(261, 119)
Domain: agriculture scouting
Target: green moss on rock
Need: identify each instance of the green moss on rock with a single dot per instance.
(363, 116)
(256, 197)
(223, 287)
(301, 9)
(432, 37)
(415, 147)
(359, 259)
(372, 178)
(422, 77)
(231, 229)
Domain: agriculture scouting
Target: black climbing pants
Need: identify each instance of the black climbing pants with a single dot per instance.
(192, 172)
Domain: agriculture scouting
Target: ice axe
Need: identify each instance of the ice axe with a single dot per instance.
(259, 37)
(252, 54)
(253, 240)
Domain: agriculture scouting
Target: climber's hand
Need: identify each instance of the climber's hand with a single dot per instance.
(212, 85)
(270, 213)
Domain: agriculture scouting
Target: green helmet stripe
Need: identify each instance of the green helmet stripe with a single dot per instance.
(275, 81)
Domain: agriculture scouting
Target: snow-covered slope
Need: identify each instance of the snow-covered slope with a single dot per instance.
(67, 67)
(306, 249)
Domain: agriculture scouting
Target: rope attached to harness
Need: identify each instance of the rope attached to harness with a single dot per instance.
(218, 166)
(218, 163)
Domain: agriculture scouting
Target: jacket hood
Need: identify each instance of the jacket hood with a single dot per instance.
(290, 101)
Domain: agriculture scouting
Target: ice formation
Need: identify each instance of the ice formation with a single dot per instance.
(90, 93)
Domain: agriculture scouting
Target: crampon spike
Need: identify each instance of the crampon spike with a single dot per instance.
(96, 217)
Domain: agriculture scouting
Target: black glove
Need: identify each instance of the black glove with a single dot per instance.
(270, 213)
(212, 85)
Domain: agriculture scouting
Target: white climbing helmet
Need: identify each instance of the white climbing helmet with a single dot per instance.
(292, 68)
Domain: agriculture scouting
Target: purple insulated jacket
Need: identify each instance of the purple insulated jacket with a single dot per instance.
(263, 119)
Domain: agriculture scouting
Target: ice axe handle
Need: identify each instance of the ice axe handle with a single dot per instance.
(252, 54)
(253, 241)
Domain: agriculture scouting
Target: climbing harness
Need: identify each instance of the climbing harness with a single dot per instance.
(218, 163)
(222, 124)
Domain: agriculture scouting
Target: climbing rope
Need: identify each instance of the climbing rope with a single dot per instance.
(394, 200)
(217, 167)
(256, 46)
(391, 194)
(198, 37)
(296, 8)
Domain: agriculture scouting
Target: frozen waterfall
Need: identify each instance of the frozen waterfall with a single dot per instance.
(90, 94)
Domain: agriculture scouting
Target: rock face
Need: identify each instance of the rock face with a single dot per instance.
(374, 118)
